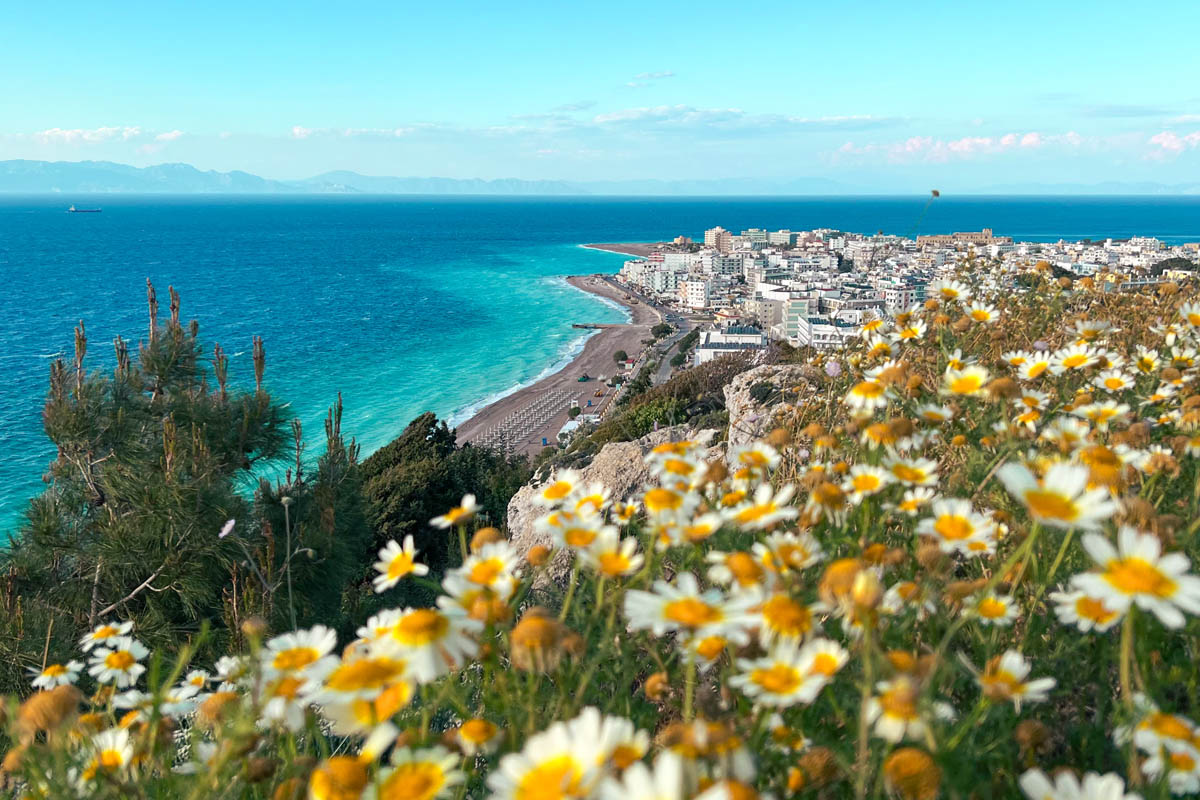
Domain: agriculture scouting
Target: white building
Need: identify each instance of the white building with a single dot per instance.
(695, 293)
(733, 339)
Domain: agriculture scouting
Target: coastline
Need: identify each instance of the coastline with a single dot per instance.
(544, 403)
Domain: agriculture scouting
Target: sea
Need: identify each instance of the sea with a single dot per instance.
(402, 304)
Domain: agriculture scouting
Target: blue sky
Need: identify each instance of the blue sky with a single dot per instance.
(879, 95)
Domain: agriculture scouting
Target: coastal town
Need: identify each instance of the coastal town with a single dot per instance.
(694, 301)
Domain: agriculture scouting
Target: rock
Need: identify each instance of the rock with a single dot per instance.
(620, 466)
(749, 419)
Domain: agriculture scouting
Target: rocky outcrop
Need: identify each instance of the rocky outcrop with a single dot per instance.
(620, 466)
(752, 418)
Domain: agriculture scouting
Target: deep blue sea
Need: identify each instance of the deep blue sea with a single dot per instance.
(403, 304)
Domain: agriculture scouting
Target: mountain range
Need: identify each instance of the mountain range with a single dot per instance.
(106, 177)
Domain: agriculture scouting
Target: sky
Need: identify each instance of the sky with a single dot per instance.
(873, 94)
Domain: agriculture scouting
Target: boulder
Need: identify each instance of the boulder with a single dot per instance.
(750, 419)
(620, 466)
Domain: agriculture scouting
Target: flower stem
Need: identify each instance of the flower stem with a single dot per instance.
(860, 781)
(562, 615)
(689, 685)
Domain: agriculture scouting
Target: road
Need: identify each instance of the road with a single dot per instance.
(664, 350)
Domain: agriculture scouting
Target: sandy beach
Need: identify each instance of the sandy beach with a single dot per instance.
(544, 406)
(639, 249)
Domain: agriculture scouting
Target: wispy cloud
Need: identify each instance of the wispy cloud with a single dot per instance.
(168, 136)
(647, 78)
(1121, 111)
(582, 105)
(649, 118)
(75, 136)
(937, 150)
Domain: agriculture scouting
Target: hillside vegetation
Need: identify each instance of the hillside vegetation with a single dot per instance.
(963, 566)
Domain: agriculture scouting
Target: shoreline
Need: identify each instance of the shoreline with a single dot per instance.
(536, 411)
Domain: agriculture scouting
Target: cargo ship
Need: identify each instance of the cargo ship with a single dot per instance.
(74, 210)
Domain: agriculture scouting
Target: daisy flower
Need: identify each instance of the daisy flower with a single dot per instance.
(982, 312)
(893, 712)
(306, 651)
(911, 332)
(557, 761)
(1004, 679)
(757, 457)
(1015, 358)
(477, 736)
(562, 483)
(934, 413)
(1085, 612)
(612, 556)
(1072, 357)
(912, 471)
(779, 679)
(590, 499)
(681, 608)
(782, 617)
(112, 752)
(948, 290)
(872, 326)
(396, 561)
(495, 566)
(765, 509)
(1060, 499)
(56, 674)
(433, 641)
(993, 609)
(914, 500)
(955, 525)
(1037, 366)
(118, 662)
(104, 633)
(781, 553)
(1113, 380)
(1067, 433)
(420, 774)
(1065, 786)
(459, 515)
(1102, 413)
(867, 396)
(1137, 572)
(371, 679)
(1180, 762)
(878, 347)
(966, 382)
(1190, 313)
(865, 480)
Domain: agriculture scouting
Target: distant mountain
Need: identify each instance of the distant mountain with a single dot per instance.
(103, 177)
(106, 177)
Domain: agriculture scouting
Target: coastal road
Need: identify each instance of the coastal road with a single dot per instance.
(667, 350)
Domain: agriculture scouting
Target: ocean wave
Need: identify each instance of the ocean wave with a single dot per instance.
(608, 301)
(572, 350)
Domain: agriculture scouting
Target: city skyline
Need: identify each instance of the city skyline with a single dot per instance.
(886, 99)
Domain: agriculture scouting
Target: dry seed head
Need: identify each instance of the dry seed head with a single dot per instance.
(48, 710)
(537, 555)
(912, 774)
(961, 325)
(485, 536)
(817, 766)
(656, 686)
(1031, 735)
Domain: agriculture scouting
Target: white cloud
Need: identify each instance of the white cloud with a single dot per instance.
(928, 148)
(732, 119)
(653, 76)
(1168, 143)
(300, 132)
(168, 136)
(75, 136)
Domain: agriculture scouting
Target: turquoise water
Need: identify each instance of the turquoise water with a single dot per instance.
(403, 304)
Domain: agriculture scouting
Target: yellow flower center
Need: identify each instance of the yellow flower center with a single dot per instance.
(691, 612)
(1048, 504)
(778, 679)
(624, 755)
(579, 537)
(899, 702)
(557, 490)
(485, 572)
(421, 627)
(787, 617)
(365, 673)
(54, 671)
(111, 759)
(104, 632)
(662, 500)
(287, 688)
(477, 731)
(121, 660)
(953, 527)
(991, 608)
(554, 779)
(339, 778)
(400, 566)
(1076, 360)
(824, 664)
(868, 389)
(711, 646)
(1037, 369)
(1093, 609)
(866, 482)
(908, 474)
(980, 315)
(1138, 576)
(294, 658)
(415, 780)
(1113, 383)
(965, 384)
(613, 564)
